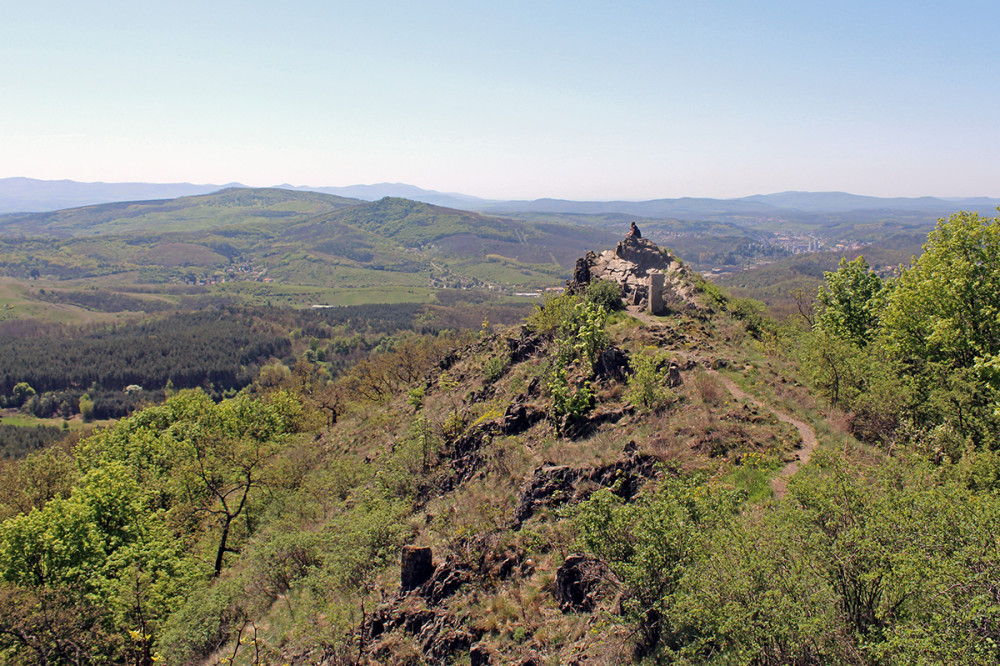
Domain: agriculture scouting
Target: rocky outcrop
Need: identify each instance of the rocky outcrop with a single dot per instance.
(553, 485)
(582, 583)
(518, 418)
(634, 264)
(612, 365)
(416, 567)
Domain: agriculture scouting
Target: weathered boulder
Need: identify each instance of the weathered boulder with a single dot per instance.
(518, 418)
(674, 376)
(612, 364)
(416, 567)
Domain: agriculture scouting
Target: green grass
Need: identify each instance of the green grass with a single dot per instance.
(753, 474)
(21, 420)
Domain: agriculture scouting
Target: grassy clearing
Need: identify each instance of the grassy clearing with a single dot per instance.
(20, 420)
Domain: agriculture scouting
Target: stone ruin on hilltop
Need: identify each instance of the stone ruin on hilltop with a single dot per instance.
(649, 276)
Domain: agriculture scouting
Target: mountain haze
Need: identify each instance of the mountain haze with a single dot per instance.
(30, 195)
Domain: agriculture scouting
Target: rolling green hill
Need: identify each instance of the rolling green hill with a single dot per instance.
(280, 246)
(228, 207)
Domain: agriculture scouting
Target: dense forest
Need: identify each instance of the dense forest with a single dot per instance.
(47, 371)
(594, 485)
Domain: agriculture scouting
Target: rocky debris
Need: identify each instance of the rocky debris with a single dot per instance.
(554, 485)
(416, 567)
(631, 264)
(448, 360)
(491, 559)
(548, 485)
(479, 655)
(748, 414)
(466, 458)
(424, 614)
(585, 425)
(446, 579)
(436, 633)
(626, 477)
(612, 364)
(416, 612)
(719, 364)
(582, 583)
(519, 417)
(524, 346)
(439, 640)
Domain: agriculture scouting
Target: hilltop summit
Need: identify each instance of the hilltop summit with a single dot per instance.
(650, 276)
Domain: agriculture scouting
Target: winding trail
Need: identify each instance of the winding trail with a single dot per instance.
(779, 484)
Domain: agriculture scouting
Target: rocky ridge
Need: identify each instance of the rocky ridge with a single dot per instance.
(504, 582)
(635, 264)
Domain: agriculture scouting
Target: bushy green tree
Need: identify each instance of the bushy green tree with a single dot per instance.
(849, 302)
(22, 393)
(942, 323)
(650, 543)
(646, 384)
(946, 307)
(606, 294)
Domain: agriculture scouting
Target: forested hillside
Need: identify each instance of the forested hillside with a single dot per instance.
(594, 484)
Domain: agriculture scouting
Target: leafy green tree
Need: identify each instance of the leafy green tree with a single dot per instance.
(650, 543)
(225, 458)
(849, 302)
(22, 393)
(946, 308)
(86, 408)
(942, 322)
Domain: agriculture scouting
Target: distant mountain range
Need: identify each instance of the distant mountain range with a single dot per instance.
(30, 195)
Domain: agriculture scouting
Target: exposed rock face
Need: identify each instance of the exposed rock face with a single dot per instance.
(582, 583)
(445, 580)
(612, 364)
(518, 418)
(633, 264)
(554, 485)
(581, 274)
(417, 567)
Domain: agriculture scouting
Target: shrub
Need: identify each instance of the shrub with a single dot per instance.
(645, 385)
(552, 314)
(605, 294)
(494, 368)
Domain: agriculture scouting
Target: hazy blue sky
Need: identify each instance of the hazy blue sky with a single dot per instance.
(583, 100)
